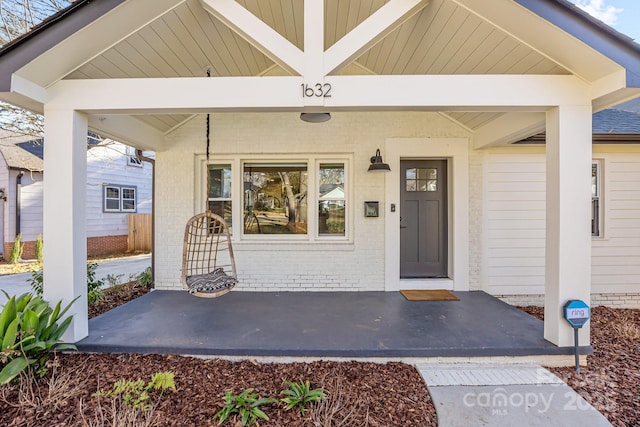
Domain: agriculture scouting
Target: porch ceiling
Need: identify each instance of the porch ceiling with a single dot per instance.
(181, 38)
(443, 38)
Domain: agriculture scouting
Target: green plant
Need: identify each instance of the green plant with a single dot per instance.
(246, 404)
(94, 286)
(39, 249)
(300, 394)
(35, 282)
(144, 278)
(114, 279)
(135, 394)
(16, 250)
(29, 333)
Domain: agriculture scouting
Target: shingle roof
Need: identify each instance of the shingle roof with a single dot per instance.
(615, 121)
(21, 151)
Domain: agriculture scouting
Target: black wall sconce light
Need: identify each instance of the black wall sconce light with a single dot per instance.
(377, 164)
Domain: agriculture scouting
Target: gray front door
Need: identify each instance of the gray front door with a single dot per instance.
(423, 218)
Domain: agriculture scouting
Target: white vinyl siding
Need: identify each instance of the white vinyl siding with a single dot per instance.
(616, 257)
(515, 222)
(109, 165)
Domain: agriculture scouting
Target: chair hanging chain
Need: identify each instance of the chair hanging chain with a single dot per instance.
(208, 208)
(208, 119)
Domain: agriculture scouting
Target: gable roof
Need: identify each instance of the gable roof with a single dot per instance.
(183, 38)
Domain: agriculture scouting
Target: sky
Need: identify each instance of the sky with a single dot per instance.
(623, 15)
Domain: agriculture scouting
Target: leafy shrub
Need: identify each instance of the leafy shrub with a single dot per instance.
(29, 333)
(35, 282)
(94, 286)
(39, 249)
(114, 279)
(144, 279)
(300, 394)
(135, 394)
(246, 404)
(16, 250)
(131, 403)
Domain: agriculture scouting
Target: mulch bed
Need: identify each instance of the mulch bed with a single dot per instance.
(611, 381)
(359, 394)
(115, 296)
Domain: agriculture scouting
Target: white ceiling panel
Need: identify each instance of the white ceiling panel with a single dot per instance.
(444, 38)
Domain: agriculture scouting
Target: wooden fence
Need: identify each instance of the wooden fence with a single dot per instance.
(139, 232)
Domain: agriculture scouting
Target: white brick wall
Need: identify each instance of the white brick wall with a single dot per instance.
(277, 266)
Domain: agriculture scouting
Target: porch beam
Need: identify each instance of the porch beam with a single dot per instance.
(64, 217)
(314, 47)
(568, 207)
(257, 33)
(508, 128)
(369, 32)
(128, 130)
(348, 93)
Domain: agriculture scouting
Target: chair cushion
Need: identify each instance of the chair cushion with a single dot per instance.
(210, 282)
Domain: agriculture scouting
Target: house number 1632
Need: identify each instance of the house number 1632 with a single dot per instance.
(318, 90)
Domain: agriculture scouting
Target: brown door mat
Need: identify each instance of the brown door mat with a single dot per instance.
(429, 295)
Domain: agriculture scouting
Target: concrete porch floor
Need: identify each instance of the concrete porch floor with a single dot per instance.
(319, 324)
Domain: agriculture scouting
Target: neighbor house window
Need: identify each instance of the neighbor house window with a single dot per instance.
(331, 199)
(219, 194)
(596, 199)
(120, 198)
(132, 159)
(275, 198)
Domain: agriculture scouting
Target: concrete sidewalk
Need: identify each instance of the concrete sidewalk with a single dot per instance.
(505, 395)
(17, 284)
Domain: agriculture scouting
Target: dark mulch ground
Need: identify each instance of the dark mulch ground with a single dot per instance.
(359, 394)
(611, 381)
(115, 296)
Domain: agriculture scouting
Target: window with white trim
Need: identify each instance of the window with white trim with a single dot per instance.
(219, 193)
(596, 198)
(297, 198)
(331, 200)
(132, 158)
(120, 198)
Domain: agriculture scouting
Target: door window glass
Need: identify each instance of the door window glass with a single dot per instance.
(421, 179)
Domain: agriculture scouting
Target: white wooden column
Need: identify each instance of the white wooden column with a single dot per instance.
(64, 219)
(568, 216)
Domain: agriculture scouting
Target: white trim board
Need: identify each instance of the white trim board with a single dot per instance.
(456, 151)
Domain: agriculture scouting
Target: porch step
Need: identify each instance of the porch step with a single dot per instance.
(485, 375)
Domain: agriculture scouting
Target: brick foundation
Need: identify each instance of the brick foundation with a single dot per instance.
(107, 245)
(96, 246)
(625, 300)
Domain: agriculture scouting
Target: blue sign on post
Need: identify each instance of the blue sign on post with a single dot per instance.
(577, 313)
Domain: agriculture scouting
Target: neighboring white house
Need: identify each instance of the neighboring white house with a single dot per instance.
(445, 89)
(118, 184)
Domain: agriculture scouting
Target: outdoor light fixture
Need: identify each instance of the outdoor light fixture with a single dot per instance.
(377, 164)
(315, 117)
